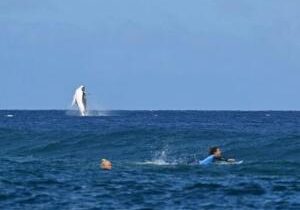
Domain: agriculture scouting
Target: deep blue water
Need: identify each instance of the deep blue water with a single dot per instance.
(50, 160)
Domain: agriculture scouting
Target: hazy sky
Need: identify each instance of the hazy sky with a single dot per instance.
(151, 54)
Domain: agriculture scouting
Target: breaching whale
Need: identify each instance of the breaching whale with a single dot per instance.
(79, 99)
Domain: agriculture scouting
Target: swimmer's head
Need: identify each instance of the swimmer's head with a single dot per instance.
(215, 151)
(105, 164)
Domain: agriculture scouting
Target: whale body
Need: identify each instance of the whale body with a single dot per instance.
(79, 99)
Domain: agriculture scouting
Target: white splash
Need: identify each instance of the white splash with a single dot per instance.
(160, 159)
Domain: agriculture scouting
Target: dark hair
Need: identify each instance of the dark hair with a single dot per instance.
(212, 150)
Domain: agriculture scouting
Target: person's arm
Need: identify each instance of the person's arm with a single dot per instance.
(207, 161)
(220, 159)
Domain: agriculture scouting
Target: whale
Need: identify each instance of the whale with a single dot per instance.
(79, 99)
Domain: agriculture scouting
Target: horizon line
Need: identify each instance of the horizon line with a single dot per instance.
(204, 110)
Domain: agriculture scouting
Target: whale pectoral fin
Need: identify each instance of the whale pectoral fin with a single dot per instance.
(74, 100)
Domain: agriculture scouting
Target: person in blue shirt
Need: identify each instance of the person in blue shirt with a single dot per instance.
(215, 154)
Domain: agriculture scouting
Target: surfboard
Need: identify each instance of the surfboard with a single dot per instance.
(229, 163)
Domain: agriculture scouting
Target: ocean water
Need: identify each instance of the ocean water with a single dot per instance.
(50, 160)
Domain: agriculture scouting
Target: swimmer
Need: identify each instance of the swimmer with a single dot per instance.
(105, 164)
(215, 155)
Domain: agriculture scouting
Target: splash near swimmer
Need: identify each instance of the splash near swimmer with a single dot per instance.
(79, 99)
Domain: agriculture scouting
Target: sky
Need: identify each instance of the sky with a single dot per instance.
(151, 54)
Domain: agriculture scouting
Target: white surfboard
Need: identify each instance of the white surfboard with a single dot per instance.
(229, 163)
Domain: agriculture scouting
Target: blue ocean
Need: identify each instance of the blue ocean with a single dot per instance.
(50, 160)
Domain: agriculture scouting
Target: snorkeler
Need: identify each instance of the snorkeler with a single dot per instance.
(215, 155)
(105, 164)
